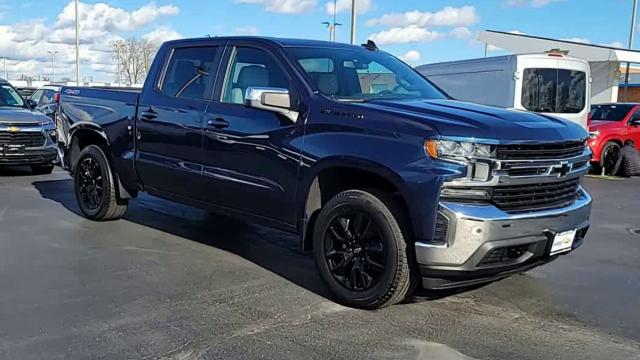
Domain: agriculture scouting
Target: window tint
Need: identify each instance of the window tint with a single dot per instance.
(190, 73)
(252, 68)
(47, 98)
(360, 74)
(554, 91)
(36, 96)
(610, 112)
(10, 97)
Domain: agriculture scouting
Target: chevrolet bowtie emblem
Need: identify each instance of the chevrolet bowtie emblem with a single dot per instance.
(13, 129)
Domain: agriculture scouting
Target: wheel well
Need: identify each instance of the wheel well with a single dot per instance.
(332, 181)
(81, 139)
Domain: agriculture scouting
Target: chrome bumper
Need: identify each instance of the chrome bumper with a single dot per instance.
(477, 229)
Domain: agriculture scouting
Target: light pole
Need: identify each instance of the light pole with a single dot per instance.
(631, 37)
(354, 15)
(53, 65)
(77, 45)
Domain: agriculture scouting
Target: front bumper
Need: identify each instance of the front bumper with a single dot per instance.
(45, 154)
(484, 243)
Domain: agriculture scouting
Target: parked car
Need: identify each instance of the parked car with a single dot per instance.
(610, 127)
(46, 99)
(385, 179)
(27, 137)
(26, 92)
(551, 83)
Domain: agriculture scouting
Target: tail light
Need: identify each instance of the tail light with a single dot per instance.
(56, 98)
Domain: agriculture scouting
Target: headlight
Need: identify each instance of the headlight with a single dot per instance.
(456, 149)
(46, 122)
(594, 134)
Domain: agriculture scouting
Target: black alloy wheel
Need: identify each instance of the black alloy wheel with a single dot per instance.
(609, 157)
(95, 185)
(354, 250)
(91, 183)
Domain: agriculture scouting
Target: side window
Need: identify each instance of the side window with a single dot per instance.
(36, 96)
(47, 98)
(251, 68)
(190, 73)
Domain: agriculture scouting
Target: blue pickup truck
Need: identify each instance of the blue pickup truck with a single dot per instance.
(389, 182)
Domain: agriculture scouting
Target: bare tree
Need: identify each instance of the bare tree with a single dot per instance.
(133, 57)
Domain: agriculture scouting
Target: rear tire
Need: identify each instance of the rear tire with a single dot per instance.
(361, 252)
(42, 169)
(95, 187)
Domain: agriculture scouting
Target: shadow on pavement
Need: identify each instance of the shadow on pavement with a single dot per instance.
(274, 250)
(15, 171)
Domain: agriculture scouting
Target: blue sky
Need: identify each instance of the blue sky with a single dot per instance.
(422, 31)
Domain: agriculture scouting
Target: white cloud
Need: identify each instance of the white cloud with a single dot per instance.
(615, 44)
(283, 6)
(411, 57)
(26, 44)
(449, 16)
(531, 3)
(247, 30)
(345, 5)
(401, 35)
(162, 34)
(461, 33)
(578, 40)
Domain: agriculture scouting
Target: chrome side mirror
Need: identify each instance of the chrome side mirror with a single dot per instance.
(272, 99)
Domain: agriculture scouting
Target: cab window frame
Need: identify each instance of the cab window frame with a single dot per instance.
(229, 61)
(209, 88)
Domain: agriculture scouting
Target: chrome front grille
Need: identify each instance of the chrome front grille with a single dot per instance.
(542, 151)
(531, 197)
(28, 139)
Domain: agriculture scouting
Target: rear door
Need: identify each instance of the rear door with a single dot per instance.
(250, 156)
(170, 120)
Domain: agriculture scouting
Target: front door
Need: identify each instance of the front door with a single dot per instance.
(250, 156)
(633, 131)
(170, 121)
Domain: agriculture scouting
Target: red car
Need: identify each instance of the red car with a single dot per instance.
(610, 127)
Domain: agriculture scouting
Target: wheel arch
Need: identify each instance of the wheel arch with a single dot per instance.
(86, 134)
(331, 176)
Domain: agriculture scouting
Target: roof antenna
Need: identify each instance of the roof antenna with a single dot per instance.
(370, 45)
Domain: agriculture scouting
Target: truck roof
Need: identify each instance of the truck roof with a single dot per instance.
(283, 42)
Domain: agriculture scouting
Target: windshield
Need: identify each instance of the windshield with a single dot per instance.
(610, 112)
(554, 91)
(360, 75)
(10, 97)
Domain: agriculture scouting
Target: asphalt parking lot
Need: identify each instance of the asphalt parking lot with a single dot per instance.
(172, 282)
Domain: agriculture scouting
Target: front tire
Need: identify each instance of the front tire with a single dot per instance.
(94, 185)
(361, 251)
(609, 157)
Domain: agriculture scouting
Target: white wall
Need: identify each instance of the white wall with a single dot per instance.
(606, 77)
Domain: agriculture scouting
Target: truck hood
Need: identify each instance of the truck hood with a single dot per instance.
(20, 116)
(482, 123)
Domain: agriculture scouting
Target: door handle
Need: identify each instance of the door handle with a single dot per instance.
(149, 114)
(218, 123)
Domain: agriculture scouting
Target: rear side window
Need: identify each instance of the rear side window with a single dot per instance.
(554, 91)
(610, 112)
(190, 73)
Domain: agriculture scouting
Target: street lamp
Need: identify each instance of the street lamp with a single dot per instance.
(53, 65)
(631, 37)
(354, 10)
(77, 46)
(6, 74)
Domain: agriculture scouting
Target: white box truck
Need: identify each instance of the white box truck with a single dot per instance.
(550, 83)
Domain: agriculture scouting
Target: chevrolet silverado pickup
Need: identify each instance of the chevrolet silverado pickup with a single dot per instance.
(389, 182)
(26, 136)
